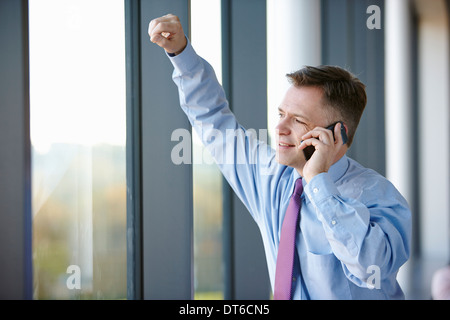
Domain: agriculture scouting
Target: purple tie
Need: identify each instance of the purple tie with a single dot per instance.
(285, 258)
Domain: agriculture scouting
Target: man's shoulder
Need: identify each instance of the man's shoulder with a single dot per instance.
(366, 182)
(357, 171)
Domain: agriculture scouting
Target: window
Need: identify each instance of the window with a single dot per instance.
(207, 179)
(78, 134)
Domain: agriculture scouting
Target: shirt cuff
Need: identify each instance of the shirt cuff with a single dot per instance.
(186, 60)
(322, 192)
(321, 188)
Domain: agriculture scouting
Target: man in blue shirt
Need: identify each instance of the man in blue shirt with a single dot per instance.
(354, 229)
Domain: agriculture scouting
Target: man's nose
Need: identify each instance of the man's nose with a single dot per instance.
(282, 128)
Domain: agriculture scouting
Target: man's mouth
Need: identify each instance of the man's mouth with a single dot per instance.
(285, 145)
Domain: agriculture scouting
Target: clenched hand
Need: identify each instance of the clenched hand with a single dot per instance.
(168, 33)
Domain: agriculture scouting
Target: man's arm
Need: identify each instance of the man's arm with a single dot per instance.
(237, 151)
(367, 227)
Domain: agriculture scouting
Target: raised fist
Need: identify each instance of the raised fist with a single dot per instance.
(168, 33)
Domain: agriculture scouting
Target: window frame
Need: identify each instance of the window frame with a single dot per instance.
(15, 164)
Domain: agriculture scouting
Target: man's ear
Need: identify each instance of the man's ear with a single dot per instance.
(346, 128)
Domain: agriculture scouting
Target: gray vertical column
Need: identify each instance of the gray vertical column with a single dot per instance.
(134, 152)
(227, 192)
(15, 159)
(167, 204)
(349, 43)
(247, 76)
(368, 63)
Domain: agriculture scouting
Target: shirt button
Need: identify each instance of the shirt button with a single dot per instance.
(333, 222)
(293, 279)
(315, 190)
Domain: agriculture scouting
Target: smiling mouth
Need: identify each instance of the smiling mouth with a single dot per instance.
(285, 145)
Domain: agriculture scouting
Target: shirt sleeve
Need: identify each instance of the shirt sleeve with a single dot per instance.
(368, 230)
(238, 152)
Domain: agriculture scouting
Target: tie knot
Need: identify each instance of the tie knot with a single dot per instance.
(298, 189)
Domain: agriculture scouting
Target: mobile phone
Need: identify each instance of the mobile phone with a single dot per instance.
(309, 150)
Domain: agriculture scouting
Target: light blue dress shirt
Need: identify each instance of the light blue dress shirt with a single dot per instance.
(355, 227)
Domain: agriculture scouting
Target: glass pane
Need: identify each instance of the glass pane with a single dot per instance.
(78, 134)
(208, 249)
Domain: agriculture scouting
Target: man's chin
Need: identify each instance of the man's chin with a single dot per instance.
(283, 162)
(280, 160)
(289, 163)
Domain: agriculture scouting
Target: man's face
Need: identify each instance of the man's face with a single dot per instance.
(300, 111)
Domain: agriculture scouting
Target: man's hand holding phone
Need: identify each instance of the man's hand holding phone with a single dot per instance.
(322, 147)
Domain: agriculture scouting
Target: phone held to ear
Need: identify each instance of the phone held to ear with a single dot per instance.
(309, 150)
